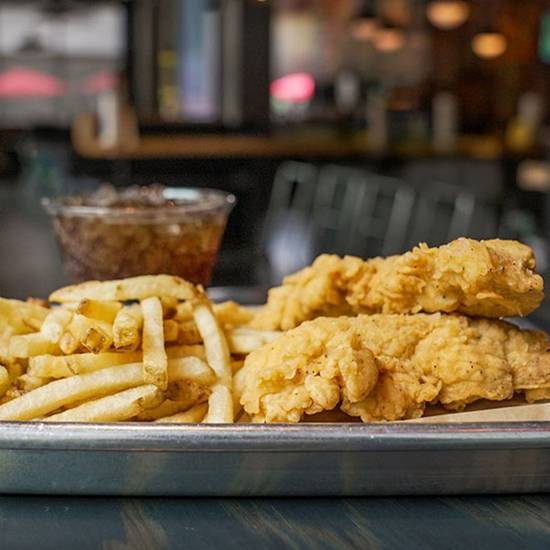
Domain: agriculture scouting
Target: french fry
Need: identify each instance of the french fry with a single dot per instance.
(189, 379)
(193, 415)
(37, 302)
(54, 395)
(27, 382)
(95, 336)
(120, 406)
(28, 345)
(134, 288)
(220, 406)
(15, 369)
(171, 330)
(184, 312)
(215, 344)
(69, 306)
(232, 314)
(246, 340)
(239, 381)
(23, 317)
(68, 343)
(100, 310)
(11, 393)
(6, 332)
(127, 328)
(94, 358)
(187, 390)
(55, 323)
(5, 381)
(220, 402)
(197, 350)
(169, 307)
(155, 361)
(61, 366)
(168, 407)
(191, 368)
(188, 334)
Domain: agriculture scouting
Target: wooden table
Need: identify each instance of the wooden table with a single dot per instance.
(503, 522)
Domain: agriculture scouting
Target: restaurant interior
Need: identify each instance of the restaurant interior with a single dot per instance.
(133, 411)
(348, 126)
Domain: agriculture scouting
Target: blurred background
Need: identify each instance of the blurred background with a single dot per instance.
(348, 126)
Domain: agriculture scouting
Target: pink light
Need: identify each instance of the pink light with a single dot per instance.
(293, 88)
(23, 82)
(103, 81)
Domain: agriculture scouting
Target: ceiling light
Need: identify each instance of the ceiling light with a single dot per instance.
(448, 14)
(366, 25)
(489, 45)
(364, 29)
(389, 39)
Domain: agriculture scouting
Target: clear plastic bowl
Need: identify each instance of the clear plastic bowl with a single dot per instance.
(105, 237)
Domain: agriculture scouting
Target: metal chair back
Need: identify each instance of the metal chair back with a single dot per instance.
(345, 210)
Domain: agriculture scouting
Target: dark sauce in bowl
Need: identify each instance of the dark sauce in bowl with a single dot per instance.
(114, 234)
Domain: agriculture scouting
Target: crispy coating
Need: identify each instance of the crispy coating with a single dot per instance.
(419, 359)
(308, 370)
(493, 278)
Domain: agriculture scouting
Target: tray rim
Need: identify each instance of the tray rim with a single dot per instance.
(337, 438)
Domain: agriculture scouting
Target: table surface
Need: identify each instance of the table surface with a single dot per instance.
(482, 522)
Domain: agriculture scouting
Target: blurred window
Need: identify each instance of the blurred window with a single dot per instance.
(55, 58)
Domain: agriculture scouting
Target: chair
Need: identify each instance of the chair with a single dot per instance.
(375, 218)
(346, 210)
(287, 241)
(445, 212)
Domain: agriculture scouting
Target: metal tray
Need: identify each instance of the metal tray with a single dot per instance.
(259, 460)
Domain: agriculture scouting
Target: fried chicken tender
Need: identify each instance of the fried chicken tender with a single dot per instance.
(308, 370)
(493, 278)
(418, 359)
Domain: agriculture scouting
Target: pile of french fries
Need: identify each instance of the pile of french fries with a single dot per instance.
(149, 348)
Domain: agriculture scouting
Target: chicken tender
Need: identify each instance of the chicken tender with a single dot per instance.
(493, 278)
(308, 370)
(418, 359)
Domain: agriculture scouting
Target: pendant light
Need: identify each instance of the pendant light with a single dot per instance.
(366, 25)
(389, 39)
(447, 15)
(489, 44)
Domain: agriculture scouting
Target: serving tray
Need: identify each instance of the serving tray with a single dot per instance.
(269, 460)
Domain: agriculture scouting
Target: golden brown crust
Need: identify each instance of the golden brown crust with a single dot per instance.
(307, 371)
(420, 359)
(493, 278)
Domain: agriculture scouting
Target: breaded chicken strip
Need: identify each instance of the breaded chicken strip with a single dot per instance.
(308, 370)
(419, 359)
(480, 278)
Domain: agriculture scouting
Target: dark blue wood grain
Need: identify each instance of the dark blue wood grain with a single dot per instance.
(505, 522)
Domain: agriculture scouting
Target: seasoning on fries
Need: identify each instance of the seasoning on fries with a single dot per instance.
(220, 403)
(148, 348)
(155, 362)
